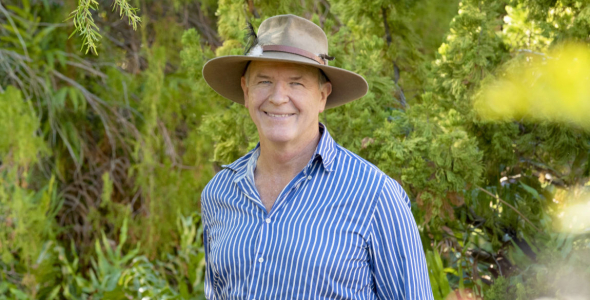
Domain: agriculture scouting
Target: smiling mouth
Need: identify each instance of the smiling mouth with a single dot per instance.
(278, 115)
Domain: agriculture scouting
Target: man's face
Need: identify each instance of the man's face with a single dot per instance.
(284, 100)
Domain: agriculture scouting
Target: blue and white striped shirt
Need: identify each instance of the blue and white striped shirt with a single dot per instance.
(341, 229)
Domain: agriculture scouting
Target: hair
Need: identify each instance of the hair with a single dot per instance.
(322, 78)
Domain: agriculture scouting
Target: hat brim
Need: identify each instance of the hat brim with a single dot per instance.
(224, 73)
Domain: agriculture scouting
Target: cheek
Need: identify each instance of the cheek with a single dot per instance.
(254, 117)
(321, 105)
(257, 96)
(315, 106)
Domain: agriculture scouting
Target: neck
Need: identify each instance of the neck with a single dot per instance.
(286, 159)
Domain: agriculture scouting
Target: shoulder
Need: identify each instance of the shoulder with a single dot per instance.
(221, 181)
(349, 161)
(388, 187)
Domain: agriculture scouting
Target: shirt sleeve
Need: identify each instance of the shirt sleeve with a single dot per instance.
(209, 282)
(397, 257)
(209, 294)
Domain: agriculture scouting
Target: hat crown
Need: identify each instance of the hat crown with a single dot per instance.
(293, 31)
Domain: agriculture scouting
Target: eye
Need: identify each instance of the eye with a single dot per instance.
(297, 83)
(264, 82)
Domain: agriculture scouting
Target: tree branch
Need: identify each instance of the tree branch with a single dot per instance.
(386, 25)
(389, 39)
(252, 9)
(327, 7)
(512, 207)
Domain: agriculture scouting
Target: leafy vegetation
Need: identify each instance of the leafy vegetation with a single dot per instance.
(85, 26)
(102, 158)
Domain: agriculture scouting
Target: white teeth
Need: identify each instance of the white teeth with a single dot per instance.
(278, 116)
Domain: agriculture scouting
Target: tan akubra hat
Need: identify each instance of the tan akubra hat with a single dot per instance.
(285, 38)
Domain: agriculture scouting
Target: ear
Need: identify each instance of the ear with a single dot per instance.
(245, 90)
(325, 91)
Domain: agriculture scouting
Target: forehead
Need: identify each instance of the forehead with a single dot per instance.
(269, 68)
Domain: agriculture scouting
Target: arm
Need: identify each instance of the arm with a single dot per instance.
(209, 283)
(397, 258)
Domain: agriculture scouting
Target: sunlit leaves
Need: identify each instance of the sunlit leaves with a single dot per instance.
(551, 87)
(20, 143)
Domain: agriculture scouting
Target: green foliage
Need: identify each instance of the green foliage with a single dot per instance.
(560, 271)
(85, 26)
(127, 10)
(20, 144)
(69, 173)
(437, 275)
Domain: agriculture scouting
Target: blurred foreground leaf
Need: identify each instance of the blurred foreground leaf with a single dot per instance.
(554, 87)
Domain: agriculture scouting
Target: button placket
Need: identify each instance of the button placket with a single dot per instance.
(257, 265)
(300, 180)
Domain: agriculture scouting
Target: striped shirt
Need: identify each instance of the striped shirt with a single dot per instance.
(341, 229)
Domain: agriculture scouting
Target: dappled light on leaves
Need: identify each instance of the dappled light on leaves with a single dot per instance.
(574, 216)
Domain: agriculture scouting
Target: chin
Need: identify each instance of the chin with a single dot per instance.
(277, 135)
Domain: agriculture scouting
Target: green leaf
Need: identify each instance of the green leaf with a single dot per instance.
(112, 281)
(123, 236)
(60, 97)
(49, 56)
(39, 36)
(23, 13)
(53, 294)
(19, 294)
(530, 190)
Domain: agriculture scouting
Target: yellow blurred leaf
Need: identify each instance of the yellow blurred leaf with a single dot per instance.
(553, 87)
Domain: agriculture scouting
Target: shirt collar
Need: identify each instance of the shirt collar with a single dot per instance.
(326, 148)
(326, 151)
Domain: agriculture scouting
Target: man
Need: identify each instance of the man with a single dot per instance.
(300, 217)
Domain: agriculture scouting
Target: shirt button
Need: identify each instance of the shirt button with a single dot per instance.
(268, 221)
(261, 259)
(309, 177)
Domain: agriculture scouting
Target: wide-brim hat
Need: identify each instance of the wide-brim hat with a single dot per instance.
(285, 38)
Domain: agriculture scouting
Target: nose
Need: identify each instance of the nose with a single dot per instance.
(279, 94)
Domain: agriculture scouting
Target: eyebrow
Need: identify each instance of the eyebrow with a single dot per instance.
(261, 76)
(295, 77)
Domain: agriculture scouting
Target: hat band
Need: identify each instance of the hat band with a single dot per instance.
(293, 50)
